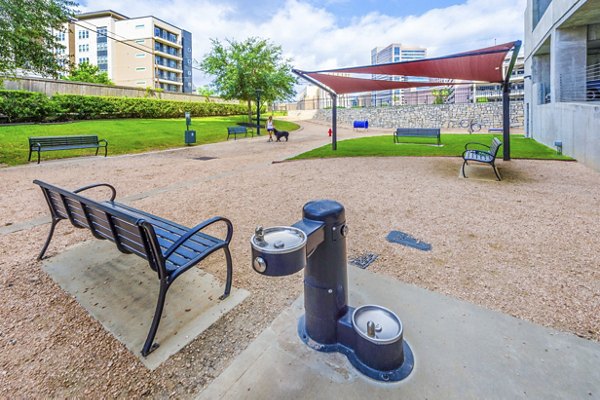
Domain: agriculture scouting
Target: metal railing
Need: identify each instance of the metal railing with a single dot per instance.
(581, 87)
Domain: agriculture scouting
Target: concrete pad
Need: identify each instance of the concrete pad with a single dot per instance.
(121, 292)
(461, 351)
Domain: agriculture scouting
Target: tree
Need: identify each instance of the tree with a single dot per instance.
(206, 92)
(27, 34)
(242, 68)
(86, 72)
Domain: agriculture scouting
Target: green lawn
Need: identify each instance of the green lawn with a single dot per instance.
(452, 145)
(125, 136)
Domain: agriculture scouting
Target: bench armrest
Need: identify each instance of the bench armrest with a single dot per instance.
(112, 189)
(198, 228)
(103, 140)
(475, 143)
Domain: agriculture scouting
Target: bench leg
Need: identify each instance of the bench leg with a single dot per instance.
(38, 156)
(496, 172)
(149, 345)
(54, 222)
(105, 150)
(97, 148)
(229, 273)
(29, 158)
(462, 170)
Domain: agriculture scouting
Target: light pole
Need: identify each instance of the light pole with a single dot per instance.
(258, 92)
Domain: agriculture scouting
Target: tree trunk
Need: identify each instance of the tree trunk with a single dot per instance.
(250, 111)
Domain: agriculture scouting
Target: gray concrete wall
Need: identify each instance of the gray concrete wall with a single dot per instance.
(50, 87)
(445, 116)
(573, 124)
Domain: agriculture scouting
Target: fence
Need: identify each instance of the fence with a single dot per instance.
(52, 86)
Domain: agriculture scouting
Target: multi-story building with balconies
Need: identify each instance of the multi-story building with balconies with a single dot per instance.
(140, 52)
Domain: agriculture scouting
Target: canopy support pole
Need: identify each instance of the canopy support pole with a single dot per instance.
(506, 100)
(333, 94)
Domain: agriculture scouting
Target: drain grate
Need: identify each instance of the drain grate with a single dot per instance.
(204, 158)
(407, 240)
(364, 261)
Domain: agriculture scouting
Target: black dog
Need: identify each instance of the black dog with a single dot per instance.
(281, 134)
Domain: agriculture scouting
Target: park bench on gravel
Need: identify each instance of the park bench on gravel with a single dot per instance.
(50, 143)
(170, 248)
(483, 156)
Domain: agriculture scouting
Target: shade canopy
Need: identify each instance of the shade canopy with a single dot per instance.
(483, 65)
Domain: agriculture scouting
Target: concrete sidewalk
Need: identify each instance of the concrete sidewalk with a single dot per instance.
(461, 351)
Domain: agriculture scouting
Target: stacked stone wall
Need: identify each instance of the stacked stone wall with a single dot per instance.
(444, 116)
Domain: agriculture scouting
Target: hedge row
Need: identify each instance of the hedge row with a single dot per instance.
(23, 106)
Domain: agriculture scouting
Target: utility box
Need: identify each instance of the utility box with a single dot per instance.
(190, 137)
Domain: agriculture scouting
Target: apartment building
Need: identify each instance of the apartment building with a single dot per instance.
(395, 52)
(562, 76)
(139, 52)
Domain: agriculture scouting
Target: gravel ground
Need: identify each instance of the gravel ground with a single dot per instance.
(528, 246)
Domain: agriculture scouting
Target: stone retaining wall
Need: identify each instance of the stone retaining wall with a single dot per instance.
(444, 116)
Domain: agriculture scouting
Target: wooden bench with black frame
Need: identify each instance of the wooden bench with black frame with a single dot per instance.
(482, 156)
(53, 143)
(417, 132)
(170, 248)
(238, 130)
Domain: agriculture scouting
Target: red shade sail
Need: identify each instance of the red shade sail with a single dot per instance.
(484, 65)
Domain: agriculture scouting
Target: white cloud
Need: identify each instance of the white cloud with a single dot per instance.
(314, 39)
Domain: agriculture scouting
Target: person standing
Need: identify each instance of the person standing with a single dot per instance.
(270, 128)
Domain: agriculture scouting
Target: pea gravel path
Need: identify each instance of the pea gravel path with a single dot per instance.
(528, 246)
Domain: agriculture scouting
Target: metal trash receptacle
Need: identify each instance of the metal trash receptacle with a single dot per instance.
(190, 137)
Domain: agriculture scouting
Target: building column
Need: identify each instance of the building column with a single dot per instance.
(568, 64)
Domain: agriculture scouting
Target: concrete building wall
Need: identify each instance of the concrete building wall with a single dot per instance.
(561, 43)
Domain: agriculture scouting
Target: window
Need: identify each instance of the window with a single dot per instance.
(83, 34)
(84, 48)
(140, 83)
(140, 55)
(102, 59)
(140, 41)
(84, 60)
(102, 46)
(60, 36)
(101, 31)
(141, 26)
(140, 68)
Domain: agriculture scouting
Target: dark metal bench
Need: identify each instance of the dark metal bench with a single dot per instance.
(483, 156)
(495, 130)
(170, 248)
(237, 130)
(417, 132)
(50, 143)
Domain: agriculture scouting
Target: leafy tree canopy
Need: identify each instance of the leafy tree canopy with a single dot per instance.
(27, 34)
(86, 72)
(240, 68)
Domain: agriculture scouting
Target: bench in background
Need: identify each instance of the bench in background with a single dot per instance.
(237, 130)
(361, 125)
(490, 130)
(482, 156)
(51, 143)
(170, 248)
(417, 132)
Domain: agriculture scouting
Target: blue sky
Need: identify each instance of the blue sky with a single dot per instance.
(319, 34)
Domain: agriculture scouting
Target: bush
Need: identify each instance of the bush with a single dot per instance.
(21, 106)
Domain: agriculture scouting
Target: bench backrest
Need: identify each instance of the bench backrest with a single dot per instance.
(237, 129)
(495, 146)
(130, 233)
(418, 131)
(63, 140)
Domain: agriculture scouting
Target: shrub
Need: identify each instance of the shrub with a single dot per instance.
(22, 106)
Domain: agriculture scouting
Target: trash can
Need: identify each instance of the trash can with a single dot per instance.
(190, 137)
